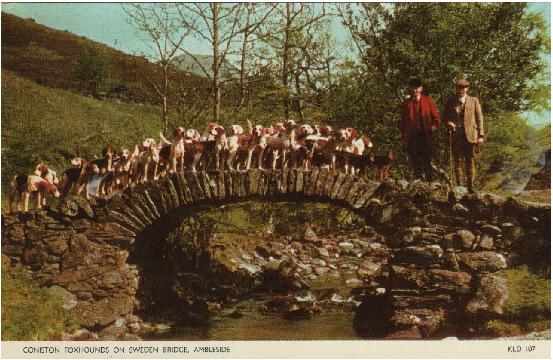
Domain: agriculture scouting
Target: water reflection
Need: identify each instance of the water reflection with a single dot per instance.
(331, 325)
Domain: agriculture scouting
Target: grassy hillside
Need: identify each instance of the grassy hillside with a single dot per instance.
(52, 125)
(49, 57)
(30, 312)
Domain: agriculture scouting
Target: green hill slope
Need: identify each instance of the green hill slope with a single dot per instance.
(45, 124)
(49, 56)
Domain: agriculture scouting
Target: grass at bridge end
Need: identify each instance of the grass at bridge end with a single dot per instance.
(528, 307)
(30, 312)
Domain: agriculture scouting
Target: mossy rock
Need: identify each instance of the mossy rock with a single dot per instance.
(528, 307)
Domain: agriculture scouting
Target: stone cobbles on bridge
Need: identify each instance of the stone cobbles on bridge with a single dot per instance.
(83, 248)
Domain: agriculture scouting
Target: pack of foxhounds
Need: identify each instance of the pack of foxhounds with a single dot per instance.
(284, 145)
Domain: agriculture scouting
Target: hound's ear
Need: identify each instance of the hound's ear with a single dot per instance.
(367, 141)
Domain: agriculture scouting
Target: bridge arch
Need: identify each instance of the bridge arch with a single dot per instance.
(142, 205)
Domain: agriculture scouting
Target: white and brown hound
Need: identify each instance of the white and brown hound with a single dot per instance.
(123, 168)
(356, 145)
(176, 154)
(47, 174)
(146, 154)
(282, 142)
(23, 186)
(235, 140)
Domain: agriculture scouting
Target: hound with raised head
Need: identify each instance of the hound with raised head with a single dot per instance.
(176, 153)
(105, 163)
(235, 141)
(74, 179)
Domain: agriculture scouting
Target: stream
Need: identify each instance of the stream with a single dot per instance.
(334, 324)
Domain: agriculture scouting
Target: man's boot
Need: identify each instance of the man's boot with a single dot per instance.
(470, 177)
(428, 172)
(470, 184)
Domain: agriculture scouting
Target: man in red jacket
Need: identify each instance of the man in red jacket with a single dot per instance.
(419, 121)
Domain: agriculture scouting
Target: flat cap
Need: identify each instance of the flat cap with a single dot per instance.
(416, 82)
(462, 83)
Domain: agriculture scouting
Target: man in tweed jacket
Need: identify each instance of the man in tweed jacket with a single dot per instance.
(464, 118)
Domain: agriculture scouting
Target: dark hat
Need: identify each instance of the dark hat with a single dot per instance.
(416, 82)
(462, 83)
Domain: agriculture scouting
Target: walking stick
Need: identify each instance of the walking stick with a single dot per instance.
(451, 195)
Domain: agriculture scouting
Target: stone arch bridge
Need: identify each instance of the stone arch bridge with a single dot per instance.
(439, 268)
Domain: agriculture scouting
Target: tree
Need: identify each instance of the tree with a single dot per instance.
(295, 22)
(312, 67)
(164, 35)
(93, 68)
(254, 17)
(497, 46)
(219, 25)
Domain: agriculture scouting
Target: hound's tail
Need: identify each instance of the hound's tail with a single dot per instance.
(367, 141)
(136, 151)
(163, 139)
